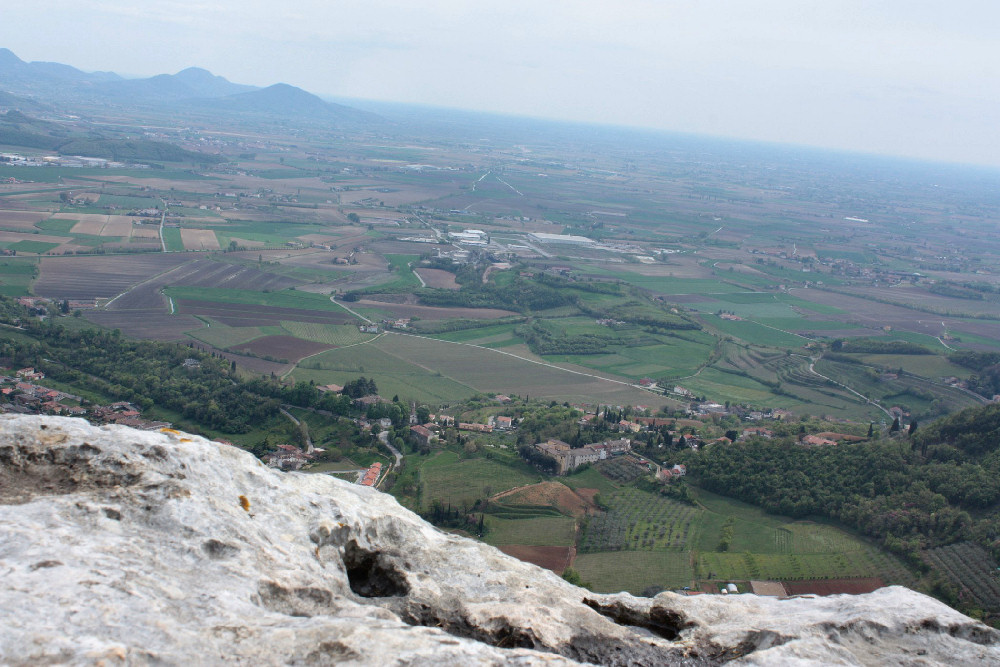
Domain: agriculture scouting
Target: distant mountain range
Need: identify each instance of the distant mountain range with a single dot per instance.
(33, 85)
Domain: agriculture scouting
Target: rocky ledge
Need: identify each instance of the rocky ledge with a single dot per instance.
(123, 546)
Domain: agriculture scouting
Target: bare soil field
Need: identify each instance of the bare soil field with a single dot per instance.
(553, 494)
(207, 273)
(142, 299)
(85, 217)
(435, 312)
(282, 347)
(852, 586)
(88, 227)
(401, 247)
(22, 219)
(438, 278)
(145, 324)
(145, 232)
(556, 559)
(117, 225)
(240, 315)
(99, 276)
(199, 239)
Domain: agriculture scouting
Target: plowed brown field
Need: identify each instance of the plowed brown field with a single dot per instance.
(556, 559)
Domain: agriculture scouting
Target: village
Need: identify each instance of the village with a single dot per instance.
(22, 393)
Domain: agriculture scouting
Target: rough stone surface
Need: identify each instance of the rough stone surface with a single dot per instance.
(121, 546)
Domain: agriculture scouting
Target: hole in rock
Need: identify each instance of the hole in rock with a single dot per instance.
(662, 621)
(370, 575)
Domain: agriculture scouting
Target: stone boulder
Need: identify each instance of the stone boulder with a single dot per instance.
(120, 546)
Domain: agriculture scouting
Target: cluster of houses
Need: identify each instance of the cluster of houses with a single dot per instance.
(287, 457)
(21, 394)
(668, 475)
(568, 459)
(371, 475)
(425, 434)
(42, 305)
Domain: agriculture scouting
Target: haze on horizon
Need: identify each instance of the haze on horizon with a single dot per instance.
(898, 77)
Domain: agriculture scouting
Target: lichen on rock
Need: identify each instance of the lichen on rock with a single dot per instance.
(125, 546)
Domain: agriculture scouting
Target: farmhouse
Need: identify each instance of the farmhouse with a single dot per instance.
(478, 428)
(287, 458)
(422, 435)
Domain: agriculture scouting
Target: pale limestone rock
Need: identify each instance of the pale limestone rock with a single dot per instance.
(120, 546)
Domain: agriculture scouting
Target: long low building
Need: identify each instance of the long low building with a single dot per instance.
(568, 458)
(541, 237)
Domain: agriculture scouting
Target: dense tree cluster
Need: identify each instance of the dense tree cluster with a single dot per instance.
(876, 346)
(143, 373)
(521, 295)
(985, 379)
(361, 387)
(543, 341)
(910, 499)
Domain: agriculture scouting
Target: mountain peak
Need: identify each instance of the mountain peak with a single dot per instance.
(7, 58)
(197, 74)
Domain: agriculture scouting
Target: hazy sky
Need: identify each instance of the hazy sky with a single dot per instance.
(906, 77)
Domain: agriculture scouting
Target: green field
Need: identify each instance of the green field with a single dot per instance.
(449, 480)
(56, 225)
(270, 233)
(589, 478)
(498, 335)
(667, 357)
(128, 202)
(927, 365)
(755, 333)
(172, 239)
(488, 370)
(783, 567)
(648, 540)
(35, 247)
(393, 375)
(16, 276)
(665, 284)
(331, 334)
(539, 531)
(288, 298)
(640, 521)
(222, 336)
(404, 277)
(802, 324)
(635, 571)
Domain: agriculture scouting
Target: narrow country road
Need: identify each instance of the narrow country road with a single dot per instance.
(383, 437)
(163, 218)
(357, 315)
(867, 400)
(309, 442)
